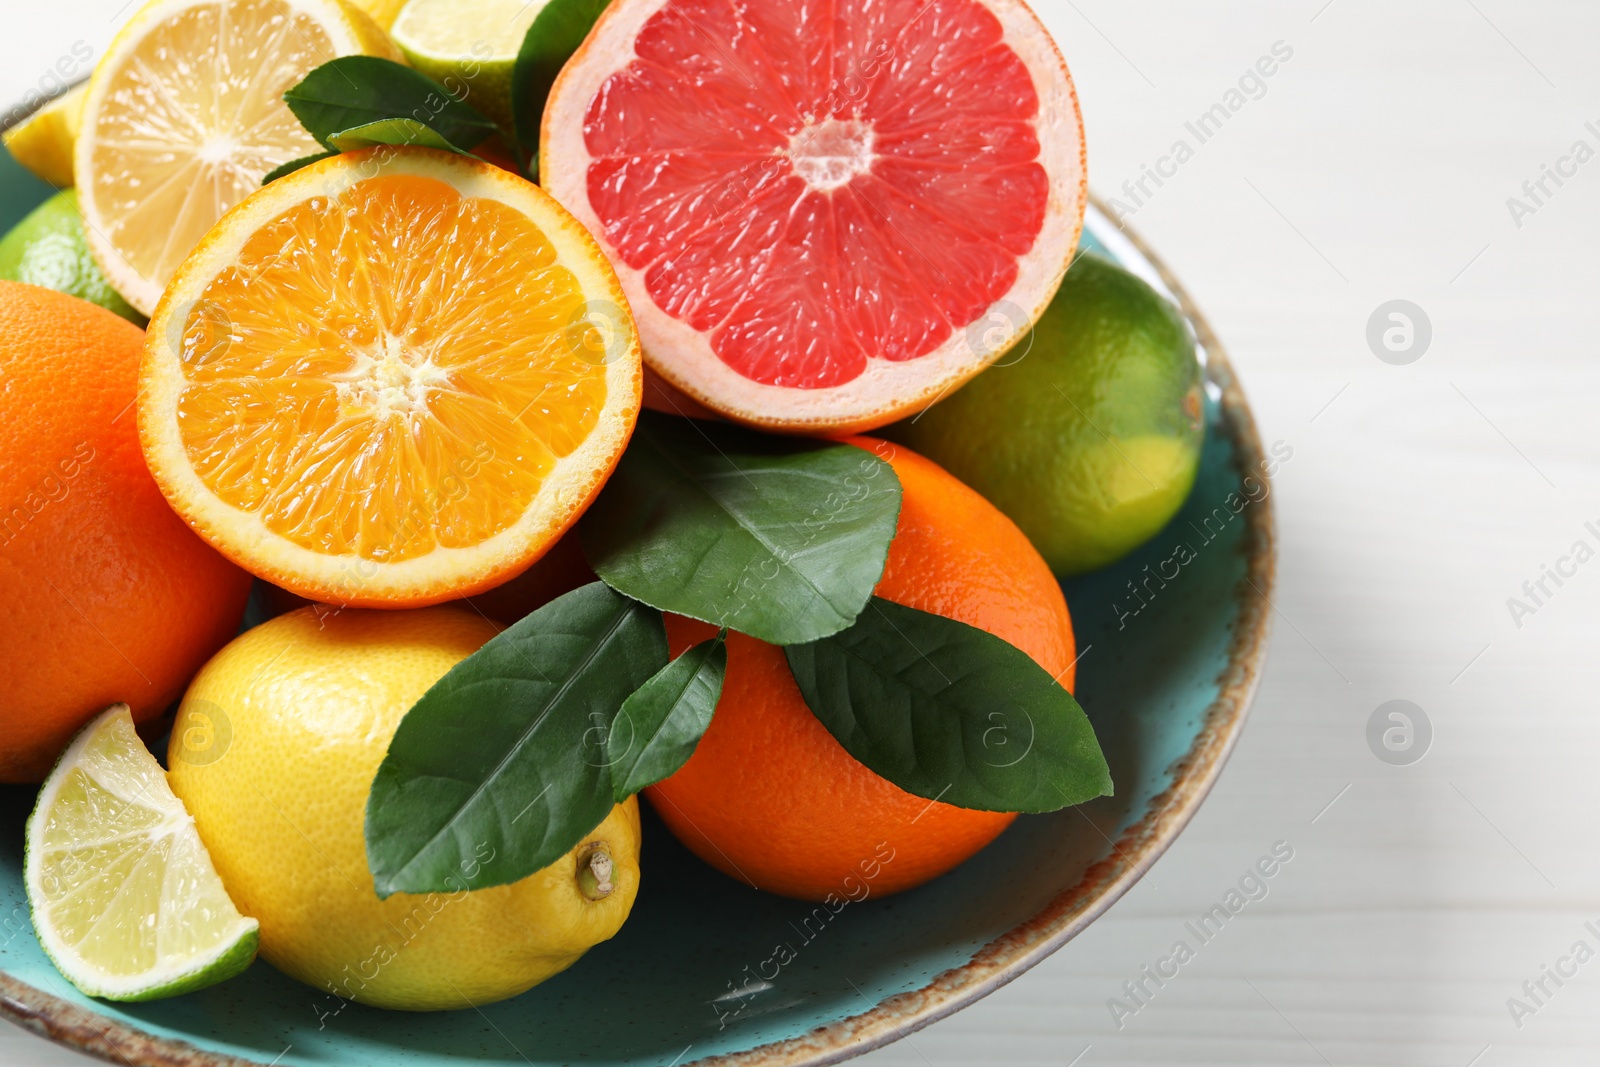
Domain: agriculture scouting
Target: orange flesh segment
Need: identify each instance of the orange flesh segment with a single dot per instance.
(388, 371)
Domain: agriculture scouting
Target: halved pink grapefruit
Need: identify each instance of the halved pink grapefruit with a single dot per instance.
(825, 213)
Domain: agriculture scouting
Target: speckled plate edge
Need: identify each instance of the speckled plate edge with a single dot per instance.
(1000, 961)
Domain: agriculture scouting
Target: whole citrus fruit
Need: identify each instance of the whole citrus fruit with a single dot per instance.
(1089, 436)
(274, 752)
(108, 596)
(769, 797)
(48, 248)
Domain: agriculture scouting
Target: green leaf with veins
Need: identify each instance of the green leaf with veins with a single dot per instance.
(951, 712)
(659, 726)
(780, 538)
(355, 91)
(391, 132)
(508, 750)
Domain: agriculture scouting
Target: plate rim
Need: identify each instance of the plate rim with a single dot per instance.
(997, 963)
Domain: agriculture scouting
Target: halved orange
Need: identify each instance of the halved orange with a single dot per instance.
(390, 379)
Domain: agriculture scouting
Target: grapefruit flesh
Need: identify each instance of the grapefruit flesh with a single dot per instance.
(821, 212)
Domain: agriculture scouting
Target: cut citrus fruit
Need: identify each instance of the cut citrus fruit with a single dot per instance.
(392, 378)
(43, 141)
(185, 115)
(383, 12)
(474, 42)
(825, 215)
(125, 900)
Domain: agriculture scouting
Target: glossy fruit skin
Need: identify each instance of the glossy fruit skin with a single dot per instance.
(273, 753)
(770, 798)
(47, 248)
(1089, 439)
(108, 595)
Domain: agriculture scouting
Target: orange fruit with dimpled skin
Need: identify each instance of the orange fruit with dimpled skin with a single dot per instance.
(108, 595)
(769, 797)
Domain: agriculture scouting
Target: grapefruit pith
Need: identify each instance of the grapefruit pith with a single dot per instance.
(824, 216)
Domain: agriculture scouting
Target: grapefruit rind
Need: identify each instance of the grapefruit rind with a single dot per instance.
(886, 391)
(444, 573)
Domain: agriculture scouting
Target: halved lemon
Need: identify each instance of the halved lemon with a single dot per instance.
(185, 115)
(125, 899)
(390, 379)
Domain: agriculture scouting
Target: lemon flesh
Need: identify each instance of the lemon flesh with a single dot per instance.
(469, 46)
(185, 115)
(43, 141)
(274, 751)
(125, 900)
(383, 12)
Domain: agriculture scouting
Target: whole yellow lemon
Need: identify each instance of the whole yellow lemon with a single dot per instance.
(273, 752)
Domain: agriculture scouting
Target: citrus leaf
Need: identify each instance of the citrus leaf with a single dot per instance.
(659, 726)
(294, 165)
(556, 33)
(779, 538)
(950, 712)
(505, 756)
(394, 132)
(354, 91)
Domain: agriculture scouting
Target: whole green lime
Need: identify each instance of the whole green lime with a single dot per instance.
(1088, 432)
(47, 248)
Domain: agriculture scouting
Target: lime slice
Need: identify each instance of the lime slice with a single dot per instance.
(468, 46)
(43, 141)
(125, 900)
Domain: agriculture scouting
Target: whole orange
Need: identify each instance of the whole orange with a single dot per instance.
(107, 595)
(769, 797)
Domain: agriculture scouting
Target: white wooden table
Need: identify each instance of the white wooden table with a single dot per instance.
(1374, 164)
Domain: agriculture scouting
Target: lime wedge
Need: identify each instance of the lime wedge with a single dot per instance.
(125, 900)
(468, 46)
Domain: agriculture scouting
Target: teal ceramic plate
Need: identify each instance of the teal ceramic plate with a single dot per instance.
(1167, 688)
